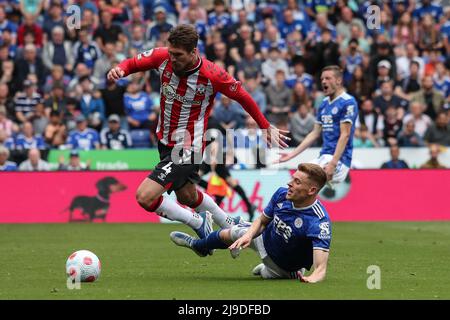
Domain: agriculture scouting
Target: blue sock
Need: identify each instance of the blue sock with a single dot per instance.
(212, 241)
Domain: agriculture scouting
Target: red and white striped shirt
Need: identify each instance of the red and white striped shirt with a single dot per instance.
(186, 101)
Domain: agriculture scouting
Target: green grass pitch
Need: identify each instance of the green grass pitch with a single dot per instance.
(140, 262)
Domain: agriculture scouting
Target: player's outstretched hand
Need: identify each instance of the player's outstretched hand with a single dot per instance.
(283, 157)
(115, 74)
(276, 136)
(241, 243)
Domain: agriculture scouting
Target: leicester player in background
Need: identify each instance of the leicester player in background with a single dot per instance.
(335, 121)
(292, 234)
(189, 84)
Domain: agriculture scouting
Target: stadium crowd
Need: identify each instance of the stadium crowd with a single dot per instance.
(54, 93)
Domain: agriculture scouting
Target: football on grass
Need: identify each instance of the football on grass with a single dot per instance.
(83, 266)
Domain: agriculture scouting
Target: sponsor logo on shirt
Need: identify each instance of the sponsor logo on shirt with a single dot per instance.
(170, 94)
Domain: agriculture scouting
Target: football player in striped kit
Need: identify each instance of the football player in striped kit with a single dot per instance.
(189, 84)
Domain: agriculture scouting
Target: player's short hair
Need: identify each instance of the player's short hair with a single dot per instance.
(315, 174)
(184, 36)
(336, 70)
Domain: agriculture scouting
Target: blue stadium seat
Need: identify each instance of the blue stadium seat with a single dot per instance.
(141, 138)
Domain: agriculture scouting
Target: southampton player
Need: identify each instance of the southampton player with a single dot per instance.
(336, 123)
(189, 84)
(293, 233)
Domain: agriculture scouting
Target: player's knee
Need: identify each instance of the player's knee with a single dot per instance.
(225, 235)
(145, 198)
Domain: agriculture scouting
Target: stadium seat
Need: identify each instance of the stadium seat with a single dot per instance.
(141, 138)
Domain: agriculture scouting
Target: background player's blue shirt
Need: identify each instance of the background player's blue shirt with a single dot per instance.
(85, 140)
(293, 233)
(344, 108)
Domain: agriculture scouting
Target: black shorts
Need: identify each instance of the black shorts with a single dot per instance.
(221, 170)
(173, 176)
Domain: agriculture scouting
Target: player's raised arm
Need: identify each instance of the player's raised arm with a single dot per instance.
(320, 261)
(306, 143)
(233, 89)
(150, 59)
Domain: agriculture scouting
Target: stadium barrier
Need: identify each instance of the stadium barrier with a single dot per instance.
(146, 159)
(368, 195)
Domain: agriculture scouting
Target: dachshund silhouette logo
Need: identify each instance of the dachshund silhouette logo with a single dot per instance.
(95, 207)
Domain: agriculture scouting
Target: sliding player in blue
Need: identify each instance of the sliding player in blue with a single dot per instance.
(292, 234)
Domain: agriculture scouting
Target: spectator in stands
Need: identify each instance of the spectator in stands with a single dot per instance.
(83, 138)
(356, 32)
(392, 126)
(6, 124)
(244, 37)
(272, 38)
(403, 61)
(383, 52)
(26, 101)
(299, 75)
(257, 94)
(27, 139)
(58, 51)
(30, 26)
(250, 66)
(6, 165)
(270, 67)
(194, 5)
(421, 121)
(7, 74)
(300, 96)
(71, 113)
(433, 162)
(343, 27)
(372, 120)
(40, 119)
(113, 98)
(439, 132)
(301, 123)
(395, 162)
(139, 108)
(114, 137)
(137, 39)
(360, 85)
(74, 88)
(411, 83)
(7, 101)
(34, 162)
(86, 50)
(30, 63)
(56, 76)
(429, 36)
(104, 63)
(405, 31)
(430, 97)
(57, 100)
(327, 50)
(408, 137)
(221, 54)
(107, 32)
(55, 133)
(53, 18)
(364, 139)
(383, 69)
(219, 19)
(228, 113)
(74, 163)
(160, 24)
(441, 79)
(389, 98)
(91, 104)
(279, 99)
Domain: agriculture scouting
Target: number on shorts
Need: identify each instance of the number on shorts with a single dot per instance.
(167, 168)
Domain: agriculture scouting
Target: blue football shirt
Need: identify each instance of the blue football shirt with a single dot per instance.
(293, 233)
(330, 115)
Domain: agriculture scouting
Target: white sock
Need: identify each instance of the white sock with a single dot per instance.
(171, 210)
(219, 216)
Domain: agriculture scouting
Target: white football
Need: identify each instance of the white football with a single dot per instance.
(83, 266)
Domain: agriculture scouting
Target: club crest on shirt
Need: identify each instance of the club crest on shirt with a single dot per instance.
(201, 89)
(233, 86)
(298, 223)
(334, 110)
